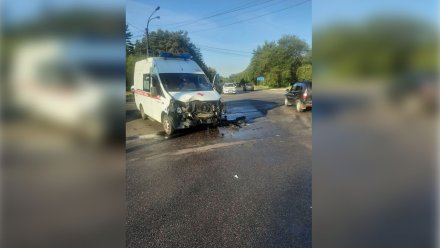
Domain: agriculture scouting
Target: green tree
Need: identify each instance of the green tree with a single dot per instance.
(129, 47)
(173, 42)
(277, 61)
(129, 69)
(140, 48)
(165, 41)
(210, 73)
(304, 72)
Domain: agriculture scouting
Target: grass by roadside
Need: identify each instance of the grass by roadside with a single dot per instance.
(261, 87)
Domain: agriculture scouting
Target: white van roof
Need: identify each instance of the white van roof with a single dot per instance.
(175, 65)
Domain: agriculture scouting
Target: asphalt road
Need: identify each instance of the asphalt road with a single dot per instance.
(248, 186)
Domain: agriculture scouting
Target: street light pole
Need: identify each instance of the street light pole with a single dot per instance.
(148, 23)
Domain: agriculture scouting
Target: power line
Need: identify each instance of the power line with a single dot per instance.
(258, 9)
(224, 49)
(138, 35)
(134, 26)
(225, 53)
(255, 17)
(214, 14)
(235, 52)
(222, 13)
(200, 30)
(245, 12)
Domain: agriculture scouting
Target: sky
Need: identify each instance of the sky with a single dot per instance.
(226, 47)
(229, 49)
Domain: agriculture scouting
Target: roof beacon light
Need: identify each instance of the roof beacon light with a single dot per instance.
(166, 55)
(185, 56)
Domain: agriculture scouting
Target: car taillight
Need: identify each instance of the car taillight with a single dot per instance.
(305, 94)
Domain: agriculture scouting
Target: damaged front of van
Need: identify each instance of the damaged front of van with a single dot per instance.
(193, 100)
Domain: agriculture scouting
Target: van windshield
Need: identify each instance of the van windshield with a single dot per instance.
(185, 82)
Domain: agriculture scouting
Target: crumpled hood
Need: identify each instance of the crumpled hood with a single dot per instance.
(196, 95)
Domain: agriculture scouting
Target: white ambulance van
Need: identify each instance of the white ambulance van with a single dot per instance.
(173, 90)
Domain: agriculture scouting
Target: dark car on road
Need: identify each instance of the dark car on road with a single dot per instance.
(300, 95)
(248, 87)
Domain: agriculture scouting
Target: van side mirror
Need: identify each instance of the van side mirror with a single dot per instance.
(153, 91)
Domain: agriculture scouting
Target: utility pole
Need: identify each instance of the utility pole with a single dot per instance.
(148, 23)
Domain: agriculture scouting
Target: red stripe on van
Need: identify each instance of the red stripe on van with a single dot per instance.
(145, 93)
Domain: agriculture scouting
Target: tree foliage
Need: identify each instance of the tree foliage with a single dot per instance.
(304, 72)
(278, 62)
(129, 47)
(166, 41)
(129, 69)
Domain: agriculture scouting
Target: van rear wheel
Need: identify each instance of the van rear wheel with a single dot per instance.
(167, 124)
(143, 115)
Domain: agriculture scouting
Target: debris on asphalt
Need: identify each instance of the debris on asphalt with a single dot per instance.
(236, 176)
(239, 121)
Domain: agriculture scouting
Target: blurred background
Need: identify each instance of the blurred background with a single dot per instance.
(62, 98)
(375, 123)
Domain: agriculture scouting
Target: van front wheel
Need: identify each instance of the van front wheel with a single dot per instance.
(167, 124)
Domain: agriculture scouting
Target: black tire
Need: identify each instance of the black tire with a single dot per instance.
(215, 124)
(299, 107)
(168, 125)
(143, 115)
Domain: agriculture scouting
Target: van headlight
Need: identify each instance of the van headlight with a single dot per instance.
(179, 110)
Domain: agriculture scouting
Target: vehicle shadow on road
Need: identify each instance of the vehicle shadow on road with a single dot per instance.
(235, 111)
(208, 131)
(249, 108)
(131, 115)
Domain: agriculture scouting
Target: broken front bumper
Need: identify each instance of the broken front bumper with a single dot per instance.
(196, 113)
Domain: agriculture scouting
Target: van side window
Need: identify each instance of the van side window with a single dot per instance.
(155, 83)
(146, 80)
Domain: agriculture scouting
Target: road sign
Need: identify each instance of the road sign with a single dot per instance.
(260, 78)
